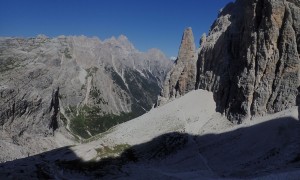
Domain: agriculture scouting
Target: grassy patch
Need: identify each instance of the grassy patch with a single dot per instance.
(108, 165)
(91, 71)
(112, 151)
(67, 53)
(96, 95)
(9, 64)
(90, 121)
(98, 136)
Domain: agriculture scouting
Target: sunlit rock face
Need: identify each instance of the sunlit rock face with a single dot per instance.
(250, 58)
(74, 85)
(182, 77)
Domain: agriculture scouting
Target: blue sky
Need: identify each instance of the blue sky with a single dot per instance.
(147, 23)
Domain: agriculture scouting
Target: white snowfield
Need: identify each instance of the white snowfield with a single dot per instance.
(256, 149)
(198, 143)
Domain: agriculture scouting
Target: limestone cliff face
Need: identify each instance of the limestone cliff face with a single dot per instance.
(182, 77)
(75, 85)
(250, 59)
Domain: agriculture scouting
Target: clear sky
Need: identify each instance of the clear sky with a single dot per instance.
(147, 23)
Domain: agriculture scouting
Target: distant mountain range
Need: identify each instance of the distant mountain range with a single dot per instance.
(77, 85)
(227, 110)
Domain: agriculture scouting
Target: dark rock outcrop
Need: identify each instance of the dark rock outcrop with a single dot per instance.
(298, 102)
(182, 77)
(250, 59)
(54, 108)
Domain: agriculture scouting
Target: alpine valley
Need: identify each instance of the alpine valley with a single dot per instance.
(72, 88)
(82, 108)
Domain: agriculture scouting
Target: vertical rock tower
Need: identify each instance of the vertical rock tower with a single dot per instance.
(250, 59)
(182, 77)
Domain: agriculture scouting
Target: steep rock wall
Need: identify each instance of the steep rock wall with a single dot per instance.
(182, 77)
(250, 58)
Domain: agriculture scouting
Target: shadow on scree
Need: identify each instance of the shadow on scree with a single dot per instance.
(246, 152)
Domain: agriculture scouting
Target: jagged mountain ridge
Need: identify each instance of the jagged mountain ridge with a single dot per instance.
(182, 77)
(250, 58)
(202, 143)
(80, 83)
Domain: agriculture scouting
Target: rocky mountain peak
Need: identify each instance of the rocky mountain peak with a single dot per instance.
(156, 53)
(101, 84)
(123, 38)
(42, 36)
(121, 42)
(203, 39)
(250, 59)
(182, 77)
(187, 50)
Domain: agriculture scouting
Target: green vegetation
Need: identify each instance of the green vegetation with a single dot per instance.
(96, 96)
(112, 151)
(9, 64)
(98, 136)
(67, 53)
(108, 165)
(91, 71)
(90, 121)
(95, 93)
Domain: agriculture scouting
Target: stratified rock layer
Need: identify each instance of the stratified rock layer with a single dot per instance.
(182, 77)
(250, 59)
(76, 85)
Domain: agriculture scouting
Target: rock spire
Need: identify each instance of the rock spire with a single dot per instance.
(182, 77)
